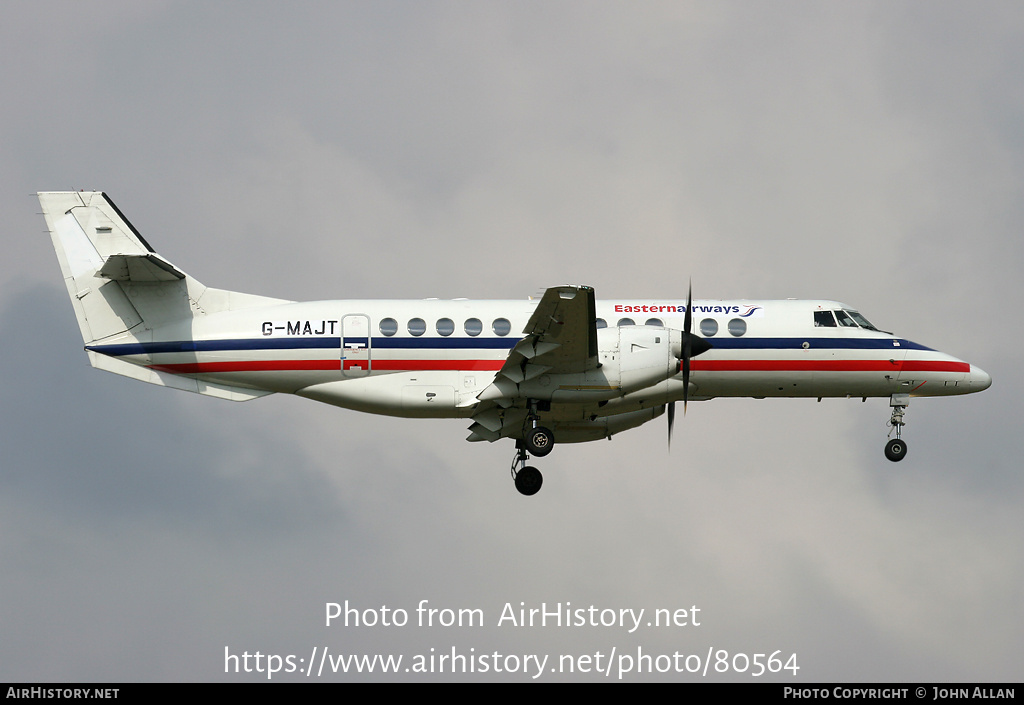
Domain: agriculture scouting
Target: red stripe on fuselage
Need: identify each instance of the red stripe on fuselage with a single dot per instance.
(394, 365)
(328, 365)
(495, 365)
(936, 366)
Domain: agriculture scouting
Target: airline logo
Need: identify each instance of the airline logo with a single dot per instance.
(745, 311)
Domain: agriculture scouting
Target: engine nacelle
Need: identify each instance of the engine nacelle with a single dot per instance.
(646, 355)
(631, 357)
(604, 427)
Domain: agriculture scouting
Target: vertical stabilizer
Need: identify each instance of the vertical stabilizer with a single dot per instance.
(124, 292)
(86, 229)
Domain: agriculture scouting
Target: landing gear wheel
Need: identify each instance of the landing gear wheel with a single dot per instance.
(896, 450)
(529, 480)
(539, 441)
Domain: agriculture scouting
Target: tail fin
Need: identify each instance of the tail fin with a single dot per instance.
(121, 289)
(99, 250)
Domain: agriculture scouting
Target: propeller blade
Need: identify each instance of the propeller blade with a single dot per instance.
(690, 345)
(671, 421)
(688, 318)
(687, 345)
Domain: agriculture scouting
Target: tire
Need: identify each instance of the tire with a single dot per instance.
(896, 450)
(539, 441)
(529, 480)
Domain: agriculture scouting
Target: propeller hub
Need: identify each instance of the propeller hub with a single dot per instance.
(698, 345)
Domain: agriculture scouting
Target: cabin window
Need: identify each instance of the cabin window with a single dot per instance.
(388, 326)
(473, 326)
(601, 323)
(654, 322)
(709, 327)
(445, 326)
(824, 319)
(737, 327)
(501, 326)
(417, 326)
(626, 322)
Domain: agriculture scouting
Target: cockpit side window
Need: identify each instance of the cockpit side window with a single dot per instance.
(824, 319)
(845, 320)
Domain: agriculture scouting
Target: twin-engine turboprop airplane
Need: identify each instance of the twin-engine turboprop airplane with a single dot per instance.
(581, 370)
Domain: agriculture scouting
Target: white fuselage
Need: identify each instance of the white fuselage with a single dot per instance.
(432, 358)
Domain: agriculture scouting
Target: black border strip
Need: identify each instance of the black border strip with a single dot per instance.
(127, 222)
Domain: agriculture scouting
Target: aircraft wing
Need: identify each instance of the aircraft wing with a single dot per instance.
(561, 338)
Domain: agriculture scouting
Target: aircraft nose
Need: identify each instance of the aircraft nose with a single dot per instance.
(979, 379)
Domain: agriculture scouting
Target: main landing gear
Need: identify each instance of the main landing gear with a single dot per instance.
(537, 440)
(527, 478)
(896, 448)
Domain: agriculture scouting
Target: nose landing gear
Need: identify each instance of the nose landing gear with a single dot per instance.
(896, 449)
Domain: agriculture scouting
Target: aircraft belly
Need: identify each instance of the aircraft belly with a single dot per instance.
(287, 382)
(410, 395)
(745, 383)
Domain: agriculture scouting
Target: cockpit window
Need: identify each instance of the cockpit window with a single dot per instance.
(824, 319)
(861, 321)
(845, 320)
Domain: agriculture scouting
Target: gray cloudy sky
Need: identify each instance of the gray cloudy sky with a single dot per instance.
(866, 152)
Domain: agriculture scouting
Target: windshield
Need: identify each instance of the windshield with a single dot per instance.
(861, 321)
(845, 320)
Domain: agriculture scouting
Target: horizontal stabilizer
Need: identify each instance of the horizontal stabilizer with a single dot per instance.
(140, 268)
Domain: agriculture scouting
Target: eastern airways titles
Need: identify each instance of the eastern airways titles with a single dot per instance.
(564, 615)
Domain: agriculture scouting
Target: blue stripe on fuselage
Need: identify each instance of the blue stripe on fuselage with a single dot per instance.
(815, 343)
(381, 343)
(119, 349)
